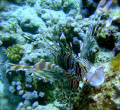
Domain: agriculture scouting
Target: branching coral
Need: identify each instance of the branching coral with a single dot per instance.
(14, 53)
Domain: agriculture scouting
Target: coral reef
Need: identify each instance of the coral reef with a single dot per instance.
(30, 88)
(108, 36)
(88, 7)
(30, 31)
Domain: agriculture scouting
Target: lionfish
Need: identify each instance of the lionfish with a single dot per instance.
(69, 69)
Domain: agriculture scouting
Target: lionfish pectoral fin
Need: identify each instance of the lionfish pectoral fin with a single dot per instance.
(49, 75)
(45, 70)
(19, 67)
(40, 74)
(2, 63)
(15, 67)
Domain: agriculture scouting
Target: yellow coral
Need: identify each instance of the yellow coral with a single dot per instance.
(14, 53)
(115, 62)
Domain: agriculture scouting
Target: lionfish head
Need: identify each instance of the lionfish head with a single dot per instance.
(95, 76)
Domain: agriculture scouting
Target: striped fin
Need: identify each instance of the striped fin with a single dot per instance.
(15, 67)
(46, 66)
(19, 67)
(47, 75)
(47, 71)
(43, 66)
(7, 63)
(44, 70)
(2, 63)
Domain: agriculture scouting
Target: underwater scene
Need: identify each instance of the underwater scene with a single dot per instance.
(59, 54)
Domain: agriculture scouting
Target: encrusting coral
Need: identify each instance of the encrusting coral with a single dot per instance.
(115, 62)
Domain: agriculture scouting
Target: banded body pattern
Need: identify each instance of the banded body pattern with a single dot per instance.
(76, 68)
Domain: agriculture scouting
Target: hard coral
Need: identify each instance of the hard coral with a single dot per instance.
(14, 53)
(115, 62)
